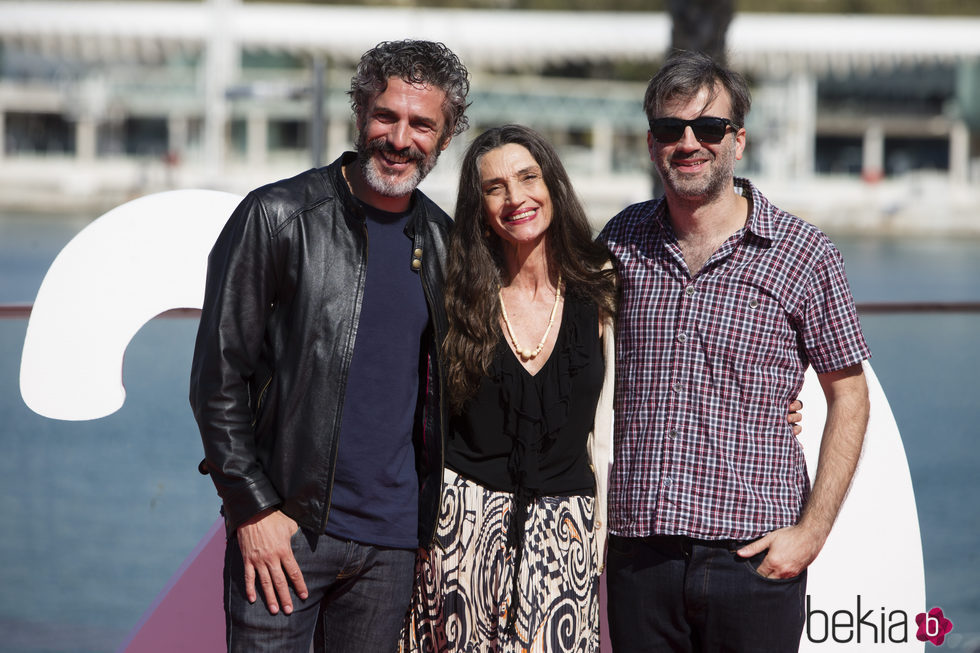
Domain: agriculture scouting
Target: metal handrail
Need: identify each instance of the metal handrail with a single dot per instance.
(918, 307)
(23, 311)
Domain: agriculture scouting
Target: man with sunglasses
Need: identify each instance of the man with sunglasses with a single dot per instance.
(725, 301)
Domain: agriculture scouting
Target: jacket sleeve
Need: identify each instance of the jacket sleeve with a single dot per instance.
(239, 294)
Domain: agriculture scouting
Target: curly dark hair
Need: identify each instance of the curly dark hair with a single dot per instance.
(475, 265)
(415, 62)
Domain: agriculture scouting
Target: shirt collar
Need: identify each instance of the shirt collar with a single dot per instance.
(759, 223)
(658, 218)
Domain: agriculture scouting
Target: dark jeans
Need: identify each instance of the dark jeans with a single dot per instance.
(359, 595)
(684, 596)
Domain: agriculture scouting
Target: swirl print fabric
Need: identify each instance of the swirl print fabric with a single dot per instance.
(463, 583)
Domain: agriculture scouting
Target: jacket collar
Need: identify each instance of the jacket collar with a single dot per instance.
(352, 206)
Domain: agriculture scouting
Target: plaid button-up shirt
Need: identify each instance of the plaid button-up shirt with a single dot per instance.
(707, 366)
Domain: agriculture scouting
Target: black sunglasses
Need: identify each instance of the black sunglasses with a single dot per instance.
(706, 129)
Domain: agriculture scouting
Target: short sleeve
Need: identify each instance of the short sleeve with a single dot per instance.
(830, 328)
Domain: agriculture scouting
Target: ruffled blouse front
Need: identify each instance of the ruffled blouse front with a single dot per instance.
(525, 433)
(528, 434)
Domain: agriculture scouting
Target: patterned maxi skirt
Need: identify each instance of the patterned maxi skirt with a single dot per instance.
(464, 582)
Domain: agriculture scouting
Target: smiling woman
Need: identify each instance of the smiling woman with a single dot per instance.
(519, 546)
(517, 201)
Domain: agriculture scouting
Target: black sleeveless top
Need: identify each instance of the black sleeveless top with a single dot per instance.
(527, 434)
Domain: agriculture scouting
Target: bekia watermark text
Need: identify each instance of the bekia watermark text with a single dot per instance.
(874, 625)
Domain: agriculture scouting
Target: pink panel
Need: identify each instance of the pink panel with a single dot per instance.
(188, 615)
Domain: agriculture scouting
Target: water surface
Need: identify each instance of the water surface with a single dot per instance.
(98, 515)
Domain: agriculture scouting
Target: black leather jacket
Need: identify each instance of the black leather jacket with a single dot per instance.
(281, 310)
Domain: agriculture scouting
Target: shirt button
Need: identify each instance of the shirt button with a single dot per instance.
(682, 337)
(689, 290)
(676, 387)
(667, 481)
(417, 253)
(416, 264)
(754, 303)
(672, 433)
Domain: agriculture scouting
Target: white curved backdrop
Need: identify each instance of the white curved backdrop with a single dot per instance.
(874, 553)
(150, 255)
(125, 268)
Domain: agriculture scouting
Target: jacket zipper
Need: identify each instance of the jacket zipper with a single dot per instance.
(258, 402)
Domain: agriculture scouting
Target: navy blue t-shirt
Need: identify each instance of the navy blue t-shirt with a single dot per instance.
(375, 493)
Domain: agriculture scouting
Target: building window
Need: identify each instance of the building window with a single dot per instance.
(38, 133)
(145, 136)
(838, 155)
(288, 135)
(907, 154)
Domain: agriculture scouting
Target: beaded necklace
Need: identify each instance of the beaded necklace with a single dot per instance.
(527, 354)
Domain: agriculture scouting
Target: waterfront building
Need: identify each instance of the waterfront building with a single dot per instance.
(104, 101)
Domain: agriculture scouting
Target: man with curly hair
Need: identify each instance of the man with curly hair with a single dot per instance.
(315, 382)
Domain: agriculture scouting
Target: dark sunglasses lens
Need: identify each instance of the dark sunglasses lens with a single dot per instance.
(667, 131)
(709, 130)
(706, 130)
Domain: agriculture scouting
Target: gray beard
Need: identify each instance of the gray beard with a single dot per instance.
(703, 189)
(385, 185)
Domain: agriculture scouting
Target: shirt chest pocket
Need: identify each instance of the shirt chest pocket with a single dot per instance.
(748, 328)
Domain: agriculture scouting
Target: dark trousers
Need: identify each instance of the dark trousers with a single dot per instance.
(359, 595)
(681, 595)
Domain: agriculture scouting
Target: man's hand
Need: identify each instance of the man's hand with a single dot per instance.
(791, 550)
(795, 417)
(265, 543)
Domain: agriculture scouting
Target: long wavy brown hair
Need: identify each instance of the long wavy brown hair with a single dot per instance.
(475, 263)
